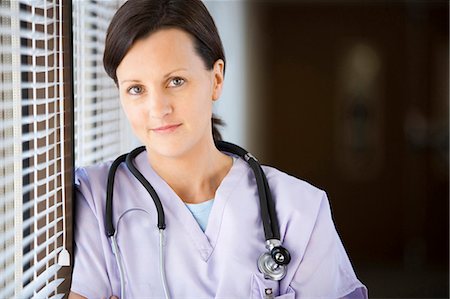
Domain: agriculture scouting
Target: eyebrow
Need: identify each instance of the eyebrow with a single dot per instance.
(165, 76)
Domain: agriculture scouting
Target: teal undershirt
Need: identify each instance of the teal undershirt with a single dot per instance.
(201, 212)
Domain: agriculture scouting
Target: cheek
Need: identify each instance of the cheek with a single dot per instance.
(136, 116)
(204, 104)
(202, 111)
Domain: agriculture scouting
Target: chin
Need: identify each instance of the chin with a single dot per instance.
(175, 146)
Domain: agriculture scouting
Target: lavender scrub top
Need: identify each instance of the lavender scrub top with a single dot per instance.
(201, 212)
(220, 262)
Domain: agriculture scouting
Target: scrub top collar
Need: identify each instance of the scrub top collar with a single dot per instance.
(176, 209)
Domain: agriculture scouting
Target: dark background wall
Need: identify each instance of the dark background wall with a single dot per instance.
(354, 97)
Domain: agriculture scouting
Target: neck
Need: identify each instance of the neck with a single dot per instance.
(196, 175)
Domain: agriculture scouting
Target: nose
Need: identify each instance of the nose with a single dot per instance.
(159, 105)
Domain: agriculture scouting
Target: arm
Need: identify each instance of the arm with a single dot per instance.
(73, 295)
(325, 270)
(90, 276)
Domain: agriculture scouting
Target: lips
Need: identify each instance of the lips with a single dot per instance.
(167, 128)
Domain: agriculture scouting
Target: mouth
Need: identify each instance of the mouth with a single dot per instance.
(166, 129)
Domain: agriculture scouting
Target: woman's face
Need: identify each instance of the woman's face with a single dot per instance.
(167, 93)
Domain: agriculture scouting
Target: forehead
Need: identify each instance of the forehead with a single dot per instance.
(162, 50)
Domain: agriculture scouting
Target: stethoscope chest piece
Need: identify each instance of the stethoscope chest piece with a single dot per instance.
(273, 264)
(270, 268)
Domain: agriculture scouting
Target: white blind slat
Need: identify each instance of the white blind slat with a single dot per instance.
(48, 289)
(105, 154)
(99, 130)
(40, 280)
(40, 3)
(26, 51)
(41, 264)
(32, 126)
(7, 291)
(27, 241)
(30, 221)
(28, 257)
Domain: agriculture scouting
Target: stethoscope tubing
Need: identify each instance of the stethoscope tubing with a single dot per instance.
(115, 249)
(267, 206)
(120, 266)
(162, 263)
(129, 161)
(267, 209)
(270, 226)
(109, 226)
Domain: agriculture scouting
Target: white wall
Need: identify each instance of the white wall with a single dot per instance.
(231, 107)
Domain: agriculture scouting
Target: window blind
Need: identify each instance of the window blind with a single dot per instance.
(101, 131)
(32, 182)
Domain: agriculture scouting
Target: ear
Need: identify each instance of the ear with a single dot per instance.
(218, 68)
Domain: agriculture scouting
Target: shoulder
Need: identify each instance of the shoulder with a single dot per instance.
(91, 182)
(308, 231)
(90, 185)
(299, 205)
(95, 177)
(92, 174)
(290, 189)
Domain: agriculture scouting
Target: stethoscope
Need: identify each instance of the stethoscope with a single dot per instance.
(272, 264)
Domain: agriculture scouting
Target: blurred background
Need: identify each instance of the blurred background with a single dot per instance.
(352, 96)
(349, 95)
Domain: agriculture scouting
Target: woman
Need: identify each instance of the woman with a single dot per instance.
(167, 59)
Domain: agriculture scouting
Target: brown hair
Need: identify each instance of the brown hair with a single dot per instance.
(137, 19)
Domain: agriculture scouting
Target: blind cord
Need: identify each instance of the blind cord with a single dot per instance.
(64, 256)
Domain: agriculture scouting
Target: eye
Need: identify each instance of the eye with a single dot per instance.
(177, 81)
(135, 90)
